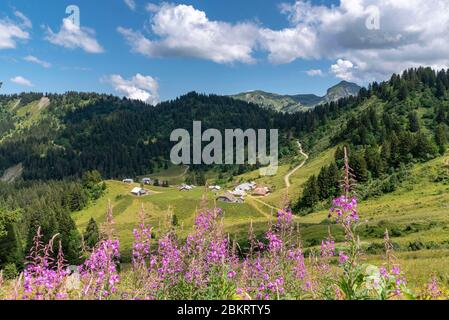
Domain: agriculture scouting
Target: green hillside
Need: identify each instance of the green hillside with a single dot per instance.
(396, 134)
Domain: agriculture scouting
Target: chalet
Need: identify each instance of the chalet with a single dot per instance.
(185, 187)
(228, 197)
(129, 181)
(261, 191)
(138, 191)
(238, 193)
(147, 181)
(248, 186)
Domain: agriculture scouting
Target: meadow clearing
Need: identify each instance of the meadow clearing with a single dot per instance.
(416, 214)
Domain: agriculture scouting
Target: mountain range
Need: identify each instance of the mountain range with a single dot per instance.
(298, 102)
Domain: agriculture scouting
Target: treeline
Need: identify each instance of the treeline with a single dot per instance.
(26, 206)
(119, 137)
(409, 124)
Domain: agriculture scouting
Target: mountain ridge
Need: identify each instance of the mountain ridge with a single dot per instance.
(298, 102)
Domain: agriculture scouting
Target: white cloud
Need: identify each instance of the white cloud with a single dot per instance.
(34, 59)
(22, 81)
(131, 4)
(151, 7)
(343, 69)
(139, 87)
(411, 33)
(183, 31)
(72, 36)
(285, 46)
(315, 72)
(11, 31)
(26, 23)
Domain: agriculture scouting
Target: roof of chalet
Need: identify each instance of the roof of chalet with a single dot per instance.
(245, 186)
(228, 196)
(137, 190)
(261, 190)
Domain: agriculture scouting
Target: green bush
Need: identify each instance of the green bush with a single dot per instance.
(10, 271)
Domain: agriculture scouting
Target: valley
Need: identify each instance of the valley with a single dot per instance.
(63, 158)
(417, 215)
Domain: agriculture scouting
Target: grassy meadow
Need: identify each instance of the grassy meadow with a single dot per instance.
(416, 214)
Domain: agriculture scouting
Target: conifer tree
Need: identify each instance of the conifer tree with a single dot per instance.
(91, 234)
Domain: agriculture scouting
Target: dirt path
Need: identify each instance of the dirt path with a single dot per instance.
(184, 173)
(288, 175)
(252, 200)
(265, 204)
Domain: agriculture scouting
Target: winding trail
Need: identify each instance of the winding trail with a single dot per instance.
(286, 180)
(288, 175)
(265, 204)
(182, 174)
(264, 213)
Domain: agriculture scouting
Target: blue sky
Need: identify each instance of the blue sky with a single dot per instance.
(159, 50)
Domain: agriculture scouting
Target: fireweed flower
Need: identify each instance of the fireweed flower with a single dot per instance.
(275, 243)
(43, 277)
(169, 259)
(345, 210)
(434, 289)
(141, 246)
(99, 272)
(327, 248)
(342, 257)
(299, 268)
(191, 268)
(284, 219)
(393, 280)
(217, 251)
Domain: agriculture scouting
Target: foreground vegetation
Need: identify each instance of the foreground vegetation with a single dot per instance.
(207, 265)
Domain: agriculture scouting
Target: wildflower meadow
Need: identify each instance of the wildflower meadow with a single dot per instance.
(208, 266)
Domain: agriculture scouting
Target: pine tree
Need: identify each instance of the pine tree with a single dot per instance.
(441, 138)
(323, 183)
(11, 246)
(200, 178)
(358, 164)
(403, 91)
(309, 196)
(424, 148)
(92, 233)
(413, 122)
(374, 161)
(440, 90)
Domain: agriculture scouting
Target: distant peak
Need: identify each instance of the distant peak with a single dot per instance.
(298, 102)
(346, 83)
